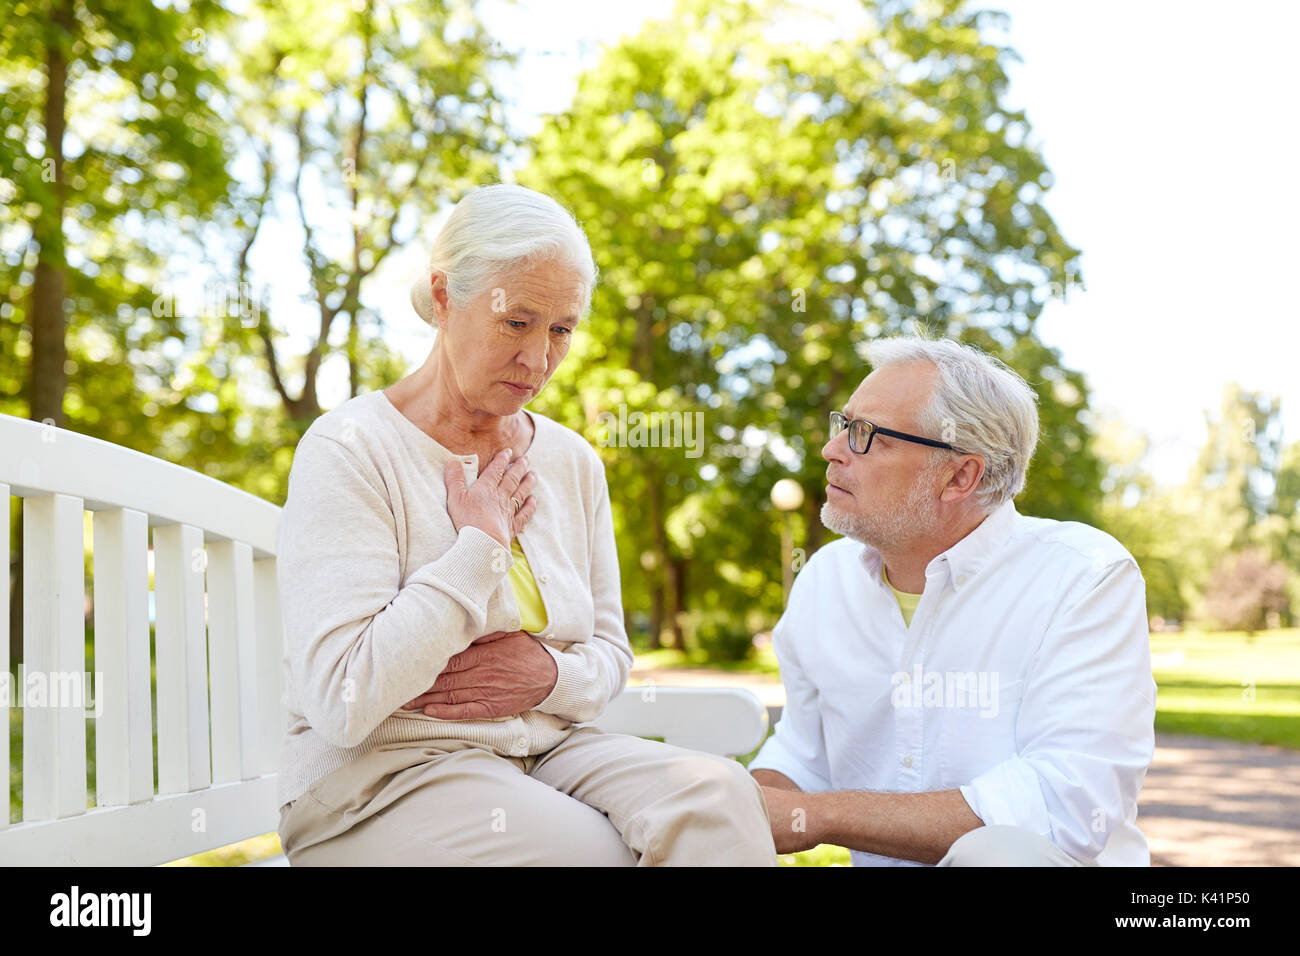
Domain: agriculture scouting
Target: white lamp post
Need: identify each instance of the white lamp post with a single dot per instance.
(787, 495)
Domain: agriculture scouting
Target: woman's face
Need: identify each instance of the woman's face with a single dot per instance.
(505, 345)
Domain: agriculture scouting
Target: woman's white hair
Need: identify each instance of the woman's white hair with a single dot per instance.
(979, 405)
(494, 229)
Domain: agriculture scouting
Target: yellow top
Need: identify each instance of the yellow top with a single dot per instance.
(532, 612)
(907, 602)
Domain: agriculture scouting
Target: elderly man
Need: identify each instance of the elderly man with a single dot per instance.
(965, 685)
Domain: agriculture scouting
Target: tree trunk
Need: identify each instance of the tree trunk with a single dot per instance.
(49, 349)
(354, 383)
(814, 530)
(657, 596)
(677, 575)
(656, 615)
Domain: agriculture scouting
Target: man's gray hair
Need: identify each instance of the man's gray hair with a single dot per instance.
(979, 405)
(497, 228)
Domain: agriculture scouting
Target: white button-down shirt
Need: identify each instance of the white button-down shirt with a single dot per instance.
(1024, 680)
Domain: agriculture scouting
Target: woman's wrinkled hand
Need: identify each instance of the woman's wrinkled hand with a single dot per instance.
(500, 674)
(487, 504)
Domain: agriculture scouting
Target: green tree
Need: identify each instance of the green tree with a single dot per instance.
(389, 116)
(759, 211)
(110, 151)
(1279, 531)
(118, 148)
(1228, 491)
(1237, 465)
(1145, 518)
(1238, 497)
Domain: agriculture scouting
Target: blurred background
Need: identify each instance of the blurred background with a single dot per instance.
(212, 212)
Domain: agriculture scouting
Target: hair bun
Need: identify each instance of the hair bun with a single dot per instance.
(422, 299)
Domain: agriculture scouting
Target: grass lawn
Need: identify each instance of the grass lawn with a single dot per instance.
(761, 661)
(1227, 685)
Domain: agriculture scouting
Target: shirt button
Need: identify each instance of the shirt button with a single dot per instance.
(907, 678)
(522, 745)
(907, 761)
(962, 579)
(542, 579)
(514, 623)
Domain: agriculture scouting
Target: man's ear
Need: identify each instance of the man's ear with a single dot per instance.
(966, 478)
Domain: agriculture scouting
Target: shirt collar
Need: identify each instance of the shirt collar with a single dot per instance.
(960, 562)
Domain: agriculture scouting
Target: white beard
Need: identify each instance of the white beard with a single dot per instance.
(915, 517)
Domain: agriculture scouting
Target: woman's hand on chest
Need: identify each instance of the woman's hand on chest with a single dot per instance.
(500, 503)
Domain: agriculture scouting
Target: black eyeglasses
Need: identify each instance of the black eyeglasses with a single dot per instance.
(862, 432)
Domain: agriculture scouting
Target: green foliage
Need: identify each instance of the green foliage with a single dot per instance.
(759, 211)
(1239, 496)
(720, 633)
(361, 125)
(144, 162)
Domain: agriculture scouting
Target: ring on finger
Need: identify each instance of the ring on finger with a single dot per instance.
(518, 504)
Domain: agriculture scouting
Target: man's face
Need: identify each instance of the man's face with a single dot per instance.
(890, 495)
(506, 344)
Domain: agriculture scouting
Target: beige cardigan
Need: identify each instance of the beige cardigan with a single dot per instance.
(378, 591)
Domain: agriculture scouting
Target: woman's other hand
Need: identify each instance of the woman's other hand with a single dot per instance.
(499, 675)
(489, 504)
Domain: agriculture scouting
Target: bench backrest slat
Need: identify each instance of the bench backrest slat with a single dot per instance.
(54, 655)
(232, 659)
(270, 664)
(123, 696)
(180, 653)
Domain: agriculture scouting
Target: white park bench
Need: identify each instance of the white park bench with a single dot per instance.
(215, 697)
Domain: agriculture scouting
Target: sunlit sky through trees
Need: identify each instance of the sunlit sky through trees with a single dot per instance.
(1174, 145)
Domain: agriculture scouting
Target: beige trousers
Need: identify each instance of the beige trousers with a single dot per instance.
(595, 799)
(1005, 846)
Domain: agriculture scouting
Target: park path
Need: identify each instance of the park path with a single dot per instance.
(1205, 801)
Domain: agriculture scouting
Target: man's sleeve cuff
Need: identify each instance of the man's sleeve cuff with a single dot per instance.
(774, 756)
(1009, 794)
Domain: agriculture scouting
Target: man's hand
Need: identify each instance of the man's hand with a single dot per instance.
(792, 816)
(499, 675)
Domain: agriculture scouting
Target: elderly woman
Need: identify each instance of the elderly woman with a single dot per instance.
(450, 594)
